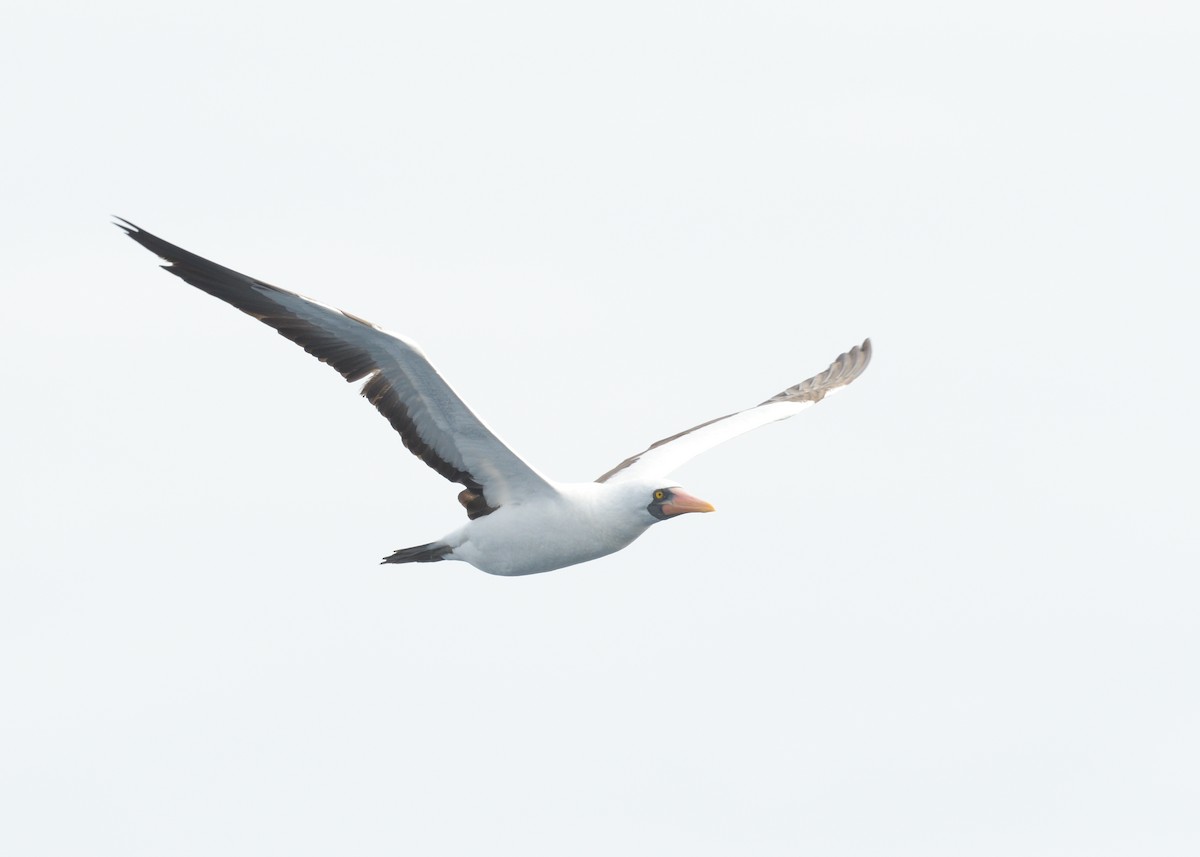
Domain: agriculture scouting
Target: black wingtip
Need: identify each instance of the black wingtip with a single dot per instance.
(166, 251)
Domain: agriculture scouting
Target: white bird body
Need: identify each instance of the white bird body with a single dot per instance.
(582, 521)
(519, 522)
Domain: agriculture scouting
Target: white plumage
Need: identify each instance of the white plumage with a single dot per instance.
(519, 522)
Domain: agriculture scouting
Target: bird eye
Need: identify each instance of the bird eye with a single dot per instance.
(659, 494)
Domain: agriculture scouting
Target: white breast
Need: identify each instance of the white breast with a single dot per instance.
(585, 521)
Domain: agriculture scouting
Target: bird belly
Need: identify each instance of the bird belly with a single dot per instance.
(531, 541)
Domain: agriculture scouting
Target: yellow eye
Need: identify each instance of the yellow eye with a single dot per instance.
(658, 495)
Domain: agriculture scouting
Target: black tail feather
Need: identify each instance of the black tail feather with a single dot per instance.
(432, 552)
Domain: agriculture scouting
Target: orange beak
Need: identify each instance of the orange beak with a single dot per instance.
(681, 502)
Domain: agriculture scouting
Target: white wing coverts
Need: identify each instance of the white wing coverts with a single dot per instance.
(664, 456)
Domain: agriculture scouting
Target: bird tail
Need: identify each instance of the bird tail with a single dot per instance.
(432, 552)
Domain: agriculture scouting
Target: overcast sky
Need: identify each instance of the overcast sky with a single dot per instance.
(950, 611)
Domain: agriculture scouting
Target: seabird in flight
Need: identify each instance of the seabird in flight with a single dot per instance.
(519, 522)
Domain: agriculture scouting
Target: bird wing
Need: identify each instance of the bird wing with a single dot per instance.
(664, 456)
(434, 423)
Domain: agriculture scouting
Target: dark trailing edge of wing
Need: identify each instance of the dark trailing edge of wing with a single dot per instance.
(253, 297)
(633, 458)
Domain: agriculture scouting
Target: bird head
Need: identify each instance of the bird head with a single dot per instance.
(671, 501)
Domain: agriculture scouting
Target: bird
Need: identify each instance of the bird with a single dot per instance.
(519, 522)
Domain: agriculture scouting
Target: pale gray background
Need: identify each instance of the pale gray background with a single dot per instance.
(950, 611)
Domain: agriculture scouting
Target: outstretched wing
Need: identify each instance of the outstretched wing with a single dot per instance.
(432, 420)
(666, 455)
